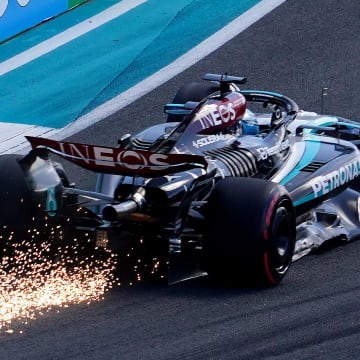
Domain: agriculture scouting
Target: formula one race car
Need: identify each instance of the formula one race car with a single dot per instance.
(218, 188)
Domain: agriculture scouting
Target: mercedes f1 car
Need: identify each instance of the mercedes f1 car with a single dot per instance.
(234, 183)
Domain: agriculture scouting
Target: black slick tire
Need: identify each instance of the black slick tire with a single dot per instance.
(249, 234)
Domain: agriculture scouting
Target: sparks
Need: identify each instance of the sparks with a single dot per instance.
(32, 283)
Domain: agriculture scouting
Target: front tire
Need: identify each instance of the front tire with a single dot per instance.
(249, 234)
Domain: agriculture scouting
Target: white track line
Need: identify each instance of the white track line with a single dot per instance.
(68, 35)
(182, 63)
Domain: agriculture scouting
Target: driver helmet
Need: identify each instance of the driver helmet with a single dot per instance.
(249, 124)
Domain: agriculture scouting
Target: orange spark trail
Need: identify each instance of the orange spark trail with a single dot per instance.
(32, 284)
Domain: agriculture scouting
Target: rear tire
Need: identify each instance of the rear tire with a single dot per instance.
(16, 209)
(194, 91)
(249, 234)
(16, 205)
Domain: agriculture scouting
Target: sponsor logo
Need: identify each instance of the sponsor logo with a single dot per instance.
(337, 178)
(210, 140)
(265, 152)
(110, 157)
(217, 115)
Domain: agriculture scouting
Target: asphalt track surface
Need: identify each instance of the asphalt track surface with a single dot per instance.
(315, 314)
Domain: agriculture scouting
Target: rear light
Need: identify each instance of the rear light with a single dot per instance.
(102, 239)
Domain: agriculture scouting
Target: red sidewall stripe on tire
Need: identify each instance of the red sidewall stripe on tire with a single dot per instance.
(267, 269)
(266, 237)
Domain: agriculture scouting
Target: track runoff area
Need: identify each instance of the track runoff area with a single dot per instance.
(27, 57)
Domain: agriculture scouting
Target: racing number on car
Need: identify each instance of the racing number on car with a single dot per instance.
(5, 3)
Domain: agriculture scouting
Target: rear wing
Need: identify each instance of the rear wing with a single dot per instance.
(119, 161)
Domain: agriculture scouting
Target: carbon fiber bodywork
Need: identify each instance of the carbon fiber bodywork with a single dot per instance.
(154, 188)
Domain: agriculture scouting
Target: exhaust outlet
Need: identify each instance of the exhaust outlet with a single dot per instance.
(115, 212)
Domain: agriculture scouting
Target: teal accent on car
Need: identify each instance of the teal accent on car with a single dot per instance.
(51, 202)
(304, 199)
(266, 92)
(311, 149)
(323, 121)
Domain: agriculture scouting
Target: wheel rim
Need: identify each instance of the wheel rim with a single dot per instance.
(282, 240)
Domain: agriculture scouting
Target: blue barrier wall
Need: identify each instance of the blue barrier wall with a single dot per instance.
(19, 15)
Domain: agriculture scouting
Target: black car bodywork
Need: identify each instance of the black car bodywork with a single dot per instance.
(220, 188)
